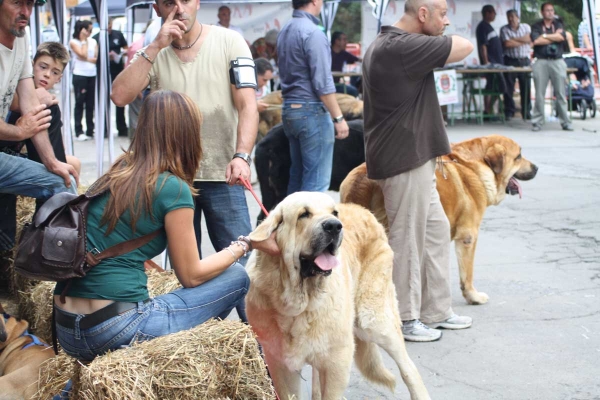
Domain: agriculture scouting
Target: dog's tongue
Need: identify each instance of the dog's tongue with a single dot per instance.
(518, 186)
(326, 261)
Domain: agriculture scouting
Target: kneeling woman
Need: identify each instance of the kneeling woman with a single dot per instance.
(148, 188)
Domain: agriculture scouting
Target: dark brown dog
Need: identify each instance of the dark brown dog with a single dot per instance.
(19, 366)
(477, 173)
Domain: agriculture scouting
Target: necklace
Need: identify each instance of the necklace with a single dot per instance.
(191, 45)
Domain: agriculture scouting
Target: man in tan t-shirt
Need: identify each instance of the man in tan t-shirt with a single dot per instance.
(194, 58)
(404, 133)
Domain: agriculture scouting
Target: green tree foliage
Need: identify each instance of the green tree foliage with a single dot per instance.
(348, 20)
(568, 10)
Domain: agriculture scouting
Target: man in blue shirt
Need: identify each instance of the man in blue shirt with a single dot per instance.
(310, 109)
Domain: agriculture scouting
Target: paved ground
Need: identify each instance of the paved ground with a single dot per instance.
(539, 261)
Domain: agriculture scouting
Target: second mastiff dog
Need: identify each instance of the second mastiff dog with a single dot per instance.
(477, 173)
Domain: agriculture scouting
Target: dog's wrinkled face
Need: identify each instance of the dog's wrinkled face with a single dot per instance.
(504, 157)
(309, 233)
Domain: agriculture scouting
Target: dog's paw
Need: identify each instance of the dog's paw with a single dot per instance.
(476, 298)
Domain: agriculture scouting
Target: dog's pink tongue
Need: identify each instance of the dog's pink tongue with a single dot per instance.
(326, 261)
(516, 183)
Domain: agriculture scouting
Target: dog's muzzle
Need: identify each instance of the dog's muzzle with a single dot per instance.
(323, 259)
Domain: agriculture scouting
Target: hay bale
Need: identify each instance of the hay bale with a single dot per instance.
(216, 360)
(54, 374)
(160, 283)
(37, 309)
(35, 304)
(25, 211)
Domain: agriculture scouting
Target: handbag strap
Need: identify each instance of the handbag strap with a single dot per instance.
(94, 259)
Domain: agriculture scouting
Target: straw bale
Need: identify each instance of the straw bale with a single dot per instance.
(160, 283)
(25, 210)
(216, 360)
(54, 374)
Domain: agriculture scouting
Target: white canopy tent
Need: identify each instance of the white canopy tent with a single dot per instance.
(384, 11)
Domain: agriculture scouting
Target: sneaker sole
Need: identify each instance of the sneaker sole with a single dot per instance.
(450, 326)
(421, 338)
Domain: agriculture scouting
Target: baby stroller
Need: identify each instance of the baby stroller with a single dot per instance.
(582, 96)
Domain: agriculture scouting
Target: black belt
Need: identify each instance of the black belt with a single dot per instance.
(90, 320)
(515, 58)
(550, 58)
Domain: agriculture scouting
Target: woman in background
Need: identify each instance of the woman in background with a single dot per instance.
(85, 54)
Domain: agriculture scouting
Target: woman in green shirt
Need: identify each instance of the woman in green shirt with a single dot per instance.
(150, 187)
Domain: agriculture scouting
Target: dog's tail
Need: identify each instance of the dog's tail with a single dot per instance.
(370, 364)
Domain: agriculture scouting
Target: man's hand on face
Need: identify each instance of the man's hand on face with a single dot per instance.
(235, 169)
(171, 30)
(45, 97)
(34, 122)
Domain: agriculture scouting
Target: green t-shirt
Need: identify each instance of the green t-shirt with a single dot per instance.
(123, 278)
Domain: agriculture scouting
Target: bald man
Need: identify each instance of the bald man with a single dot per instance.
(404, 133)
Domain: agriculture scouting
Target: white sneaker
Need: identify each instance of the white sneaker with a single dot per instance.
(415, 331)
(454, 322)
(83, 137)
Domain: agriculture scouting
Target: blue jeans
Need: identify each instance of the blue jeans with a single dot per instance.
(309, 128)
(19, 175)
(226, 213)
(173, 312)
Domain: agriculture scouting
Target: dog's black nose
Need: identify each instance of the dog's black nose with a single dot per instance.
(332, 226)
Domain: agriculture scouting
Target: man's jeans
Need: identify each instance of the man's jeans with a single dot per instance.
(309, 128)
(170, 313)
(226, 213)
(19, 175)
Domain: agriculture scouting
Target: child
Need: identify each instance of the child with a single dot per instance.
(49, 63)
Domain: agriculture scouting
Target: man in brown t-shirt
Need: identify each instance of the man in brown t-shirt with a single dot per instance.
(404, 133)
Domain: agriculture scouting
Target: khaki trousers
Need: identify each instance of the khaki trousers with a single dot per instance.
(554, 71)
(419, 234)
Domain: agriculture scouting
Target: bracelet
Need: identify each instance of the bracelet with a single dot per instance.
(146, 56)
(232, 254)
(247, 240)
(243, 245)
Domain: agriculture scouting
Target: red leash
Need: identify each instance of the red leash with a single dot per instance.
(249, 187)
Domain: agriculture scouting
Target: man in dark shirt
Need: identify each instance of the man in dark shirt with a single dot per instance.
(548, 36)
(117, 46)
(404, 133)
(489, 48)
(307, 88)
(339, 57)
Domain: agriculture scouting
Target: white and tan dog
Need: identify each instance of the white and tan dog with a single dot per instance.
(328, 299)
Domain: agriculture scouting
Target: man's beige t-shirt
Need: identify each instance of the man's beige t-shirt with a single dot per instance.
(206, 81)
(14, 66)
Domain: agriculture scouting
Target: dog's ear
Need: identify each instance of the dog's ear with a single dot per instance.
(264, 230)
(494, 157)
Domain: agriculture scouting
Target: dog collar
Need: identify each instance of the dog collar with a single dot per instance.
(35, 341)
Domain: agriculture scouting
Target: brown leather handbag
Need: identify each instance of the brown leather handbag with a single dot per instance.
(53, 246)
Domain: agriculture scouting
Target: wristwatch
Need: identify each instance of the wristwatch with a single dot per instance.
(544, 36)
(244, 156)
(338, 119)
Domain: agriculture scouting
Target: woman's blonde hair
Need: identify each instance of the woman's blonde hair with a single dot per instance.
(167, 139)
